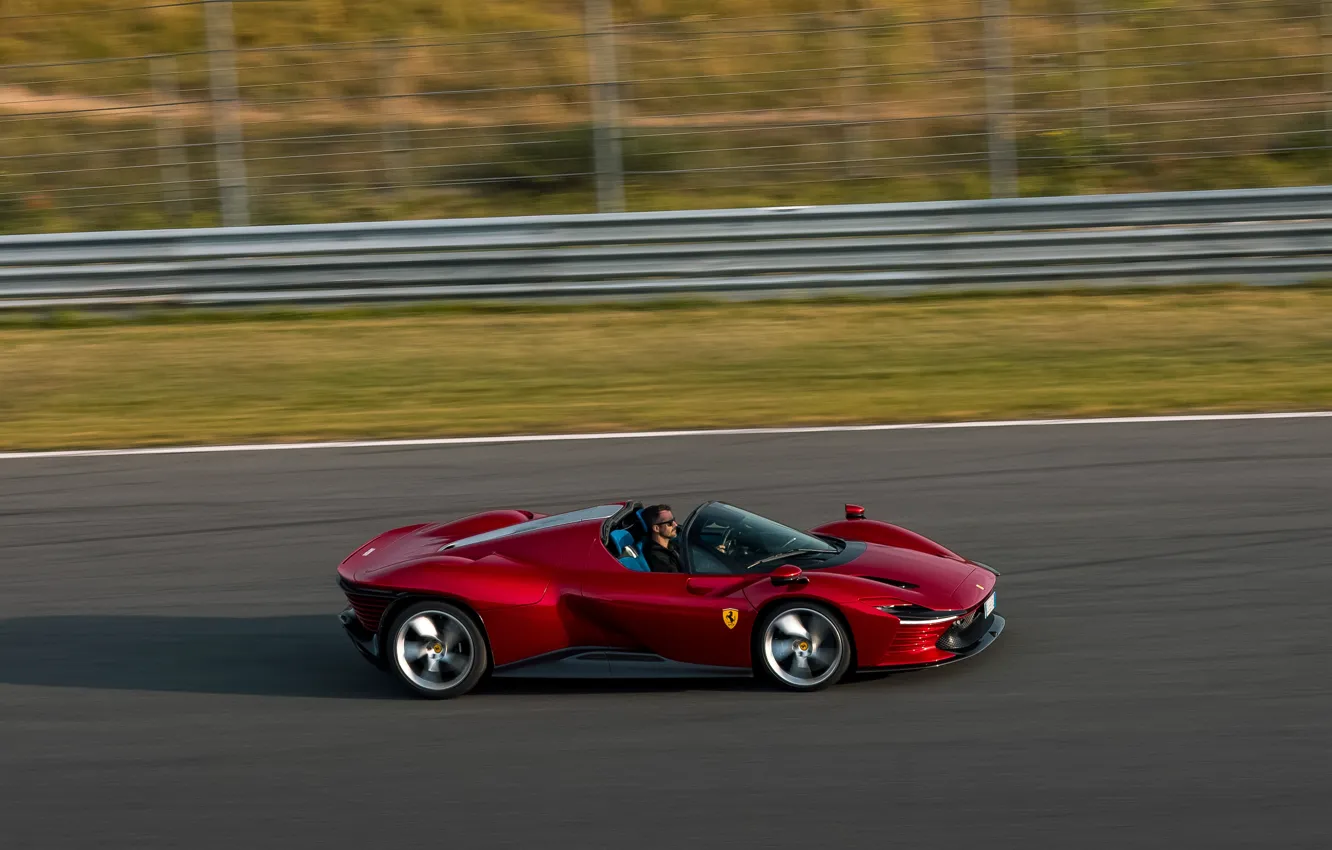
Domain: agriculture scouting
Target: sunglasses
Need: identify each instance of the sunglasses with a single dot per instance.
(666, 522)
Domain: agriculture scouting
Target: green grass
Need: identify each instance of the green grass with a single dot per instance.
(452, 371)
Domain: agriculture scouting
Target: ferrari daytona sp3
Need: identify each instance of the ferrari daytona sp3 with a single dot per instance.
(517, 593)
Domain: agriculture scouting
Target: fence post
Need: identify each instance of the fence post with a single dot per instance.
(1327, 69)
(227, 135)
(396, 142)
(1091, 67)
(999, 100)
(171, 158)
(605, 106)
(855, 68)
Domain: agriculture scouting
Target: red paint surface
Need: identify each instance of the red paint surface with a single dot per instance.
(874, 531)
(560, 588)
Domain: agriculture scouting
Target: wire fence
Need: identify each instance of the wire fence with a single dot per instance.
(199, 113)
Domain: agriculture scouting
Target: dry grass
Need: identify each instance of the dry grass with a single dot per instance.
(746, 103)
(449, 373)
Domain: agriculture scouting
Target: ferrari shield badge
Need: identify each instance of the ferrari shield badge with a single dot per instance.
(730, 616)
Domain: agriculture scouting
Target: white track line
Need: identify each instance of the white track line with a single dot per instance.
(635, 435)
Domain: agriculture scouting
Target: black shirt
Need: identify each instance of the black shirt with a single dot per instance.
(661, 559)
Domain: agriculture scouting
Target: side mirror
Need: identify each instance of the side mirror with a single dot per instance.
(855, 512)
(788, 574)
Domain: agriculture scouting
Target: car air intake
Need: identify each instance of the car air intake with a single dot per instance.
(905, 585)
(966, 632)
(369, 603)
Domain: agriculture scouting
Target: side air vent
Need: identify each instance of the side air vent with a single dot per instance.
(905, 585)
(369, 603)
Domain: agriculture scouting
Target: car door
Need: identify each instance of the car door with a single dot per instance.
(688, 619)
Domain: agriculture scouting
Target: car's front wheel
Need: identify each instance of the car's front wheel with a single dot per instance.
(437, 650)
(802, 646)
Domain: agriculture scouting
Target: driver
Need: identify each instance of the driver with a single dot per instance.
(663, 530)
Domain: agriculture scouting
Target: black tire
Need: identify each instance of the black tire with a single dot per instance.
(456, 650)
(788, 640)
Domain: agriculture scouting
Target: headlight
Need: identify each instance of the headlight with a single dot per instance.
(919, 615)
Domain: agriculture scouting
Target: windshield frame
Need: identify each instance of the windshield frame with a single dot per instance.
(825, 545)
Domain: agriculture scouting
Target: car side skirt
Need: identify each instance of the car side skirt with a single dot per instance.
(599, 662)
(995, 629)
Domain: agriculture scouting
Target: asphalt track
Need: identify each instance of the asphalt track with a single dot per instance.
(172, 675)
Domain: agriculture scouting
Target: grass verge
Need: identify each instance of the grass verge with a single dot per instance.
(455, 372)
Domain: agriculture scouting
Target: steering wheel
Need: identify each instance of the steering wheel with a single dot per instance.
(727, 545)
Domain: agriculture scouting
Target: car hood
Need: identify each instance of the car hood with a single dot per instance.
(930, 580)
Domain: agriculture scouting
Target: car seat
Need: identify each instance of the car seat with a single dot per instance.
(642, 532)
(628, 551)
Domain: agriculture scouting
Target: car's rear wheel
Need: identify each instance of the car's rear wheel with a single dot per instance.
(437, 650)
(802, 646)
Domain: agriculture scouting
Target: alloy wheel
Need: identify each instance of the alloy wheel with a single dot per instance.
(434, 650)
(803, 647)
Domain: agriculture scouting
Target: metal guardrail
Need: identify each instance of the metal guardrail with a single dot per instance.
(1249, 236)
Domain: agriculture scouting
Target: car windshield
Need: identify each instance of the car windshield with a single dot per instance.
(724, 539)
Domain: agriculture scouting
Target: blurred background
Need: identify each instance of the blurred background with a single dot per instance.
(169, 114)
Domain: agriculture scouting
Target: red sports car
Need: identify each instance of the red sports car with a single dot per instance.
(514, 593)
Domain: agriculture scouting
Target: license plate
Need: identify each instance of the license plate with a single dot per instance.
(989, 604)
